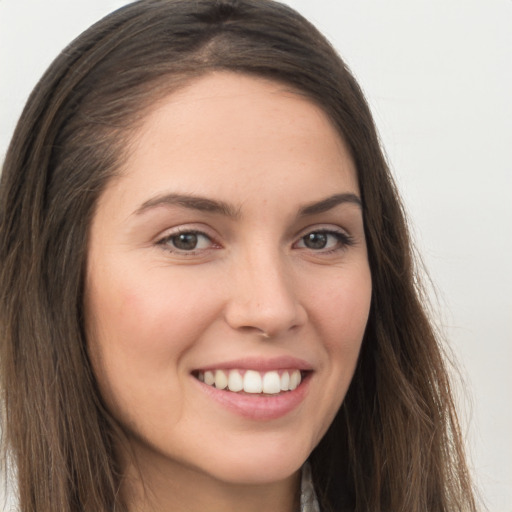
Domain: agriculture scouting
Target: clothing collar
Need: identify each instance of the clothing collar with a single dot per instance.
(308, 500)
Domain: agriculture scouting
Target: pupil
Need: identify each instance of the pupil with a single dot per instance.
(185, 241)
(315, 240)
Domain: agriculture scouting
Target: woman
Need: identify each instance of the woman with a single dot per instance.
(210, 280)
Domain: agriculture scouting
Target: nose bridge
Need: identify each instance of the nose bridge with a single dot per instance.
(263, 296)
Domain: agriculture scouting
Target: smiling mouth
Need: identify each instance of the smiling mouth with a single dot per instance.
(251, 381)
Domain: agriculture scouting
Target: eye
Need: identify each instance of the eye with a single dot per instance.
(186, 241)
(323, 240)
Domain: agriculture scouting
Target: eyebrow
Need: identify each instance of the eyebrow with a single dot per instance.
(220, 207)
(191, 202)
(329, 203)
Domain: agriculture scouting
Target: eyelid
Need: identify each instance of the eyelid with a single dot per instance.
(162, 239)
(344, 237)
(323, 228)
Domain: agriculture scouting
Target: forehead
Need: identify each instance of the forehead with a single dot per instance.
(225, 130)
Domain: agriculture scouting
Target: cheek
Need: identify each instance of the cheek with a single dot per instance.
(139, 328)
(339, 313)
(148, 313)
(340, 310)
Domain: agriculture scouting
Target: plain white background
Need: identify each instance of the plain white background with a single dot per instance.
(438, 76)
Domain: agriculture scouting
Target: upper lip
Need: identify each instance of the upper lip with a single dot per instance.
(260, 364)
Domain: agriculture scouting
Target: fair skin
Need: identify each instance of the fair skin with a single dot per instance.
(232, 244)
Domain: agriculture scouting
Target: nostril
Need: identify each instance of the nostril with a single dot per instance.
(265, 323)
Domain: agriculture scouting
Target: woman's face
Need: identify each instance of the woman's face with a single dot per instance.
(230, 251)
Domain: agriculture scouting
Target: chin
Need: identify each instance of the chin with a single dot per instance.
(258, 465)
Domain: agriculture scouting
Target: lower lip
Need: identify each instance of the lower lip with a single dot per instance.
(256, 406)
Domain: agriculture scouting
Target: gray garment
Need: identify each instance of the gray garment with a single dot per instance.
(308, 501)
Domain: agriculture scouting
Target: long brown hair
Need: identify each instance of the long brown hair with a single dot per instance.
(395, 444)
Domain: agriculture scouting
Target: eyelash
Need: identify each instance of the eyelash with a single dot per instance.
(165, 242)
(343, 240)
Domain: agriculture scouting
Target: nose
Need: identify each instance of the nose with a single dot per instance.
(263, 297)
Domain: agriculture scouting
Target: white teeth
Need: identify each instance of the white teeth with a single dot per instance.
(271, 383)
(235, 381)
(209, 378)
(221, 381)
(285, 381)
(252, 381)
(294, 379)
